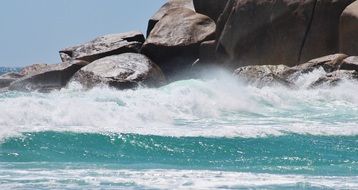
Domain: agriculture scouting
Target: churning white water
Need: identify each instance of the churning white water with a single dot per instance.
(219, 106)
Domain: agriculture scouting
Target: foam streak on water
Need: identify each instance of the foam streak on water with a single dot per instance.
(65, 178)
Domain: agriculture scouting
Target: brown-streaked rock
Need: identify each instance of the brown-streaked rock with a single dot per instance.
(286, 32)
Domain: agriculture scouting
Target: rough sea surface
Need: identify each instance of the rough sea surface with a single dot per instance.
(193, 134)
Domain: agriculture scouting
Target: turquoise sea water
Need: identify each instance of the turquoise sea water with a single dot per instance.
(191, 134)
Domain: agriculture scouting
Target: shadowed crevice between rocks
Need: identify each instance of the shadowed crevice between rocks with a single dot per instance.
(307, 30)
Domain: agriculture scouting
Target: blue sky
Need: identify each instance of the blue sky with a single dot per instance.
(33, 31)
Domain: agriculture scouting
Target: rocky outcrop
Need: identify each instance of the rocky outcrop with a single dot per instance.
(171, 4)
(210, 8)
(323, 33)
(349, 30)
(123, 71)
(336, 67)
(333, 79)
(174, 41)
(8, 78)
(280, 32)
(350, 63)
(35, 68)
(263, 75)
(53, 77)
(103, 46)
(329, 63)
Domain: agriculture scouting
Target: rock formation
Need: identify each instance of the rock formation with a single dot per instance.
(349, 30)
(112, 44)
(53, 77)
(174, 41)
(171, 4)
(124, 71)
(280, 32)
(265, 43)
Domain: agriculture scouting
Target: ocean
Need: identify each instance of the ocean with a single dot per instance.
(209, 133)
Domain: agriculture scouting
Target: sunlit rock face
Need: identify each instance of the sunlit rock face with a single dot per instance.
(280, 32)
(166, 8)
(128, 70)
(107, 45)
(52, 77)
(349, 30)
(174, 41)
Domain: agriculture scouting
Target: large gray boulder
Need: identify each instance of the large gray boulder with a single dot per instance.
(171, 4)
(103, 46)
(174, 41)
(210, 8)
(349, 30)
(123, 71)
(54, 77)
(285, 32)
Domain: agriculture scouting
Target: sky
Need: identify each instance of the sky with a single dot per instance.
(33, 31)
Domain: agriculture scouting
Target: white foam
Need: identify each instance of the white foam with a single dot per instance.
(163, 179)
(217, 107)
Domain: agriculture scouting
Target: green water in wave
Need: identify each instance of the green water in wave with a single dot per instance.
(298, 154)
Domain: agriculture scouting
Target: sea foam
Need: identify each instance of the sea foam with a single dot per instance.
(216, 107)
